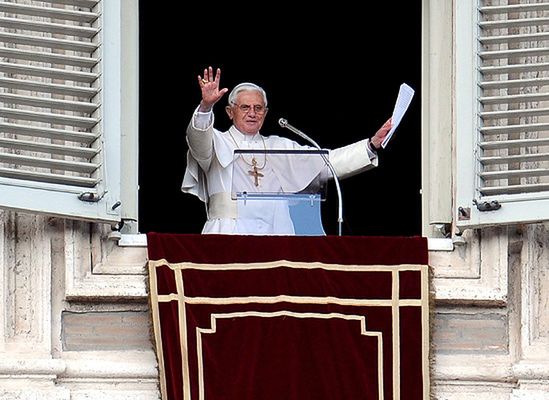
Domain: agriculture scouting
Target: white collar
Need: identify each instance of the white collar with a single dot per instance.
(242, 137)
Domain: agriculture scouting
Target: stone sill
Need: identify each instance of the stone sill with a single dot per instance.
(140, 240)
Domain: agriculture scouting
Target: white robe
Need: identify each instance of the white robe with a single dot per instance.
(209, 175)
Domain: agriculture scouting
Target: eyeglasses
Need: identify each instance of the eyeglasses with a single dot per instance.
(246, 108)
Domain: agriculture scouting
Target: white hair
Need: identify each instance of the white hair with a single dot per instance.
(246, 86)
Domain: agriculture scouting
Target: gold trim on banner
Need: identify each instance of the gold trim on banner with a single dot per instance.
(287, 264)
(243, 314)
(426, 372)
(183, 336)
(396, 334)
(153, 287)
(166, 298)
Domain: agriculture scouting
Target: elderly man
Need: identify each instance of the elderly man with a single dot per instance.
(211, 161)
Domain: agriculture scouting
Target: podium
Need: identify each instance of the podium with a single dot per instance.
(284, 187)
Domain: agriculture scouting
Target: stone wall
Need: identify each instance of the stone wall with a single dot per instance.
(497, 348)
(75, 322)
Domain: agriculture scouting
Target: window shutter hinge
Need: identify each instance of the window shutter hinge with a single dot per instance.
(464, 213)
(89, 197)
(487, 205)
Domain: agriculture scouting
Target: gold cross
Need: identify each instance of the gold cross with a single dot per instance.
(255, 173)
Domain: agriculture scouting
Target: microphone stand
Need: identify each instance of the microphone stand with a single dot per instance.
(284, 124)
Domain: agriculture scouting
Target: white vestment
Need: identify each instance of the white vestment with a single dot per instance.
(209, 175)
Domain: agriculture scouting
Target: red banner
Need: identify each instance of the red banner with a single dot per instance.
(248, 317)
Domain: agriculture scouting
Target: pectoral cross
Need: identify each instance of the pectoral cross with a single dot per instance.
(255, 173)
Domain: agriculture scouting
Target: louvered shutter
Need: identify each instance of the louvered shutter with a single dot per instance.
(502, 112)
(53, 73)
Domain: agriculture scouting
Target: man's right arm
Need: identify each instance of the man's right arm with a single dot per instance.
(200, 138)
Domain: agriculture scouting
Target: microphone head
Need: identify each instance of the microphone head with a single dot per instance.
(282, 122)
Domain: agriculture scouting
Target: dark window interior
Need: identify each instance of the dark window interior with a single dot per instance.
(333, 72)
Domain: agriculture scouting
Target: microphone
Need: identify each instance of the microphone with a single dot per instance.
(284, 124)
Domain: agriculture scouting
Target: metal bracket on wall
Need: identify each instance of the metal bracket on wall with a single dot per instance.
(487, 205)
(464, 213)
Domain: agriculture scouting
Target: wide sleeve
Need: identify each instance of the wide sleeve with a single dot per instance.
(352, 159)
(207, 146)
(200, 134)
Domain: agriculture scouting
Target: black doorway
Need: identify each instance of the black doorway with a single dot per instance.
(333, 72)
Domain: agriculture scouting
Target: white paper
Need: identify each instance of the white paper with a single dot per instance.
(405, 95)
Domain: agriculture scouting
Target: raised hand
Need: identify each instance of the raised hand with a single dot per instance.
(209, 85)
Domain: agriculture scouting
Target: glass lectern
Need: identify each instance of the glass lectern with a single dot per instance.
(284, 188)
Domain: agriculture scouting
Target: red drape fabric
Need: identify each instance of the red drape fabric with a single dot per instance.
(290, 317)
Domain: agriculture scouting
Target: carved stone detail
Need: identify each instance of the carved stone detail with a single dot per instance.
(97, 268)
(475, 272)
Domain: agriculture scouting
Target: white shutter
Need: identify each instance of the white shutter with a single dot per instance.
(53, 74)
(502, 111)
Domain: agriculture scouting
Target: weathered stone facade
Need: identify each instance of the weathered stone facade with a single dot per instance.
(75, 319)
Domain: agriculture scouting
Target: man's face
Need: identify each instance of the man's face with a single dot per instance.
(248, 113)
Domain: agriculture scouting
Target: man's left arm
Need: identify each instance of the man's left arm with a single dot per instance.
(361, 156)
(353, 159)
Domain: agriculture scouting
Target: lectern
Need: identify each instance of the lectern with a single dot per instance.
(285, 187)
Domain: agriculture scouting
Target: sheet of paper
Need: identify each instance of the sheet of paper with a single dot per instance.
(405, 95)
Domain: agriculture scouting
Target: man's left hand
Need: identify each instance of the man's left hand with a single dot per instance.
(377, 139)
